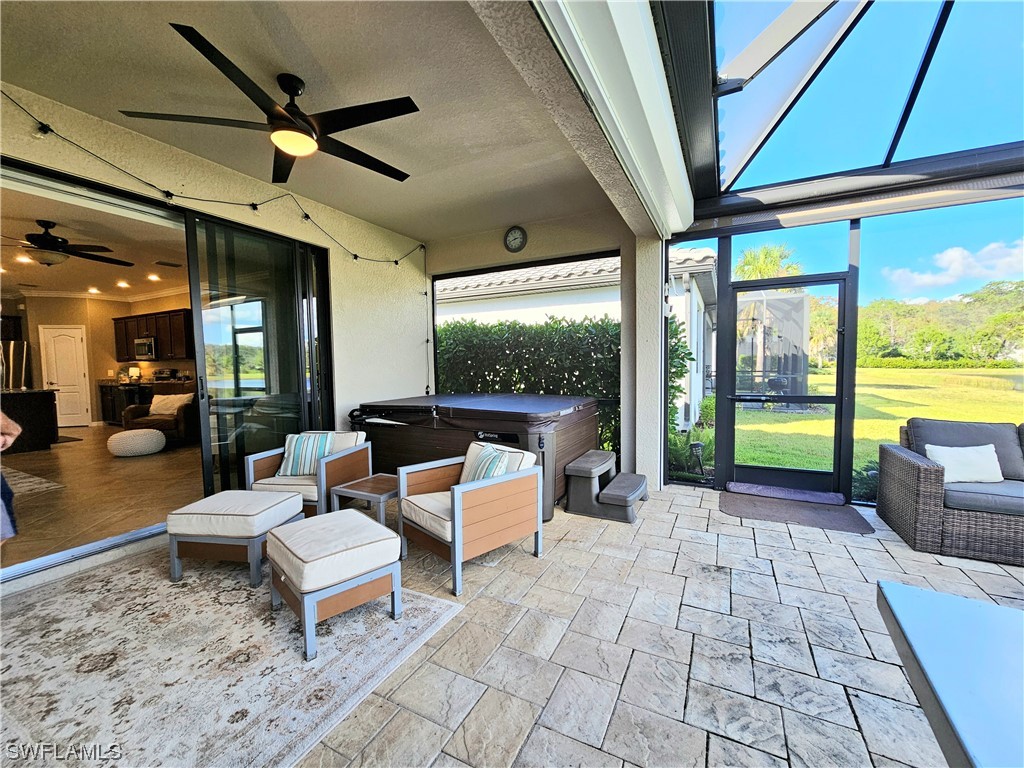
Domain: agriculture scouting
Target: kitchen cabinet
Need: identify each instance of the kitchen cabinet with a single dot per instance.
(171, 331)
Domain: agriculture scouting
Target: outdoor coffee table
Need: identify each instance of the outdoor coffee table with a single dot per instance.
(965, 661)
(378, 489)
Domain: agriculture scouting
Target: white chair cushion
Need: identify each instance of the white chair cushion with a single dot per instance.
(235, 514)
(430, 511)
(517, 459)
(325, 550)
(304, 484)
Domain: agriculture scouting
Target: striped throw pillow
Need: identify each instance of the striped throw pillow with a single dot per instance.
(302, 452)
(490, 463)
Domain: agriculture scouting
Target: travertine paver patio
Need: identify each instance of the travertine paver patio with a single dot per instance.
(690, 638)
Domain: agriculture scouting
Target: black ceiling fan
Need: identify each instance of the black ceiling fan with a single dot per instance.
(48, 249)
(294, 133)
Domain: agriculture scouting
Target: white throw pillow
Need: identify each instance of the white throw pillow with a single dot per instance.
(976, 464)
(167, 405)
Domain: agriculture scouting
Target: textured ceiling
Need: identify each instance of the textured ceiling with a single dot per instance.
(483, 152)
(130, 239)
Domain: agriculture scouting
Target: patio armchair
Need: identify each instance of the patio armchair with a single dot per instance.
(351, 460)
(443, 510)
(982, 521)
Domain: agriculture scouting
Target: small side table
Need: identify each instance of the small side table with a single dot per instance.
(379, 489)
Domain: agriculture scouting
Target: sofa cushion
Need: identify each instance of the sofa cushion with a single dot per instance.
(168, 405)
(304, 484)
(235, 514)
(163, 423)
(960, 434)
(1005, 498)
(973, 464)
(325, 550)
(517, 459)
(430, 511)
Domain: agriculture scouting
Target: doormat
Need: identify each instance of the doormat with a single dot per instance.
(789, 494)
(68, 439)
(22, 483)
(827, 516)
(197, 673)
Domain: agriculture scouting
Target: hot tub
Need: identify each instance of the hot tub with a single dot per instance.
(415, 429)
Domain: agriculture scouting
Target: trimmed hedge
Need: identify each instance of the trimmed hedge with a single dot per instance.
(557, 357)
(910, 362)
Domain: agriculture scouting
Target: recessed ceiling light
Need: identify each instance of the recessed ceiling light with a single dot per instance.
(2, 270)
(94, 290)
(23, 259)
(154, 278)
(123, 284)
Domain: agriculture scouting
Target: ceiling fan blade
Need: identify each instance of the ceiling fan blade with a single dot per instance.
(94, 257)
(283, 163)
(334, 120)
(242, 81)
(87, 248)
(201, 119)
(8, 237)
(351, 154)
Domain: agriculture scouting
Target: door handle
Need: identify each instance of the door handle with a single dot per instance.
(749, 398)
(51, 383)
(202, 389)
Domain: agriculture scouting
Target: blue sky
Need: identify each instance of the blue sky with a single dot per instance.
(973, 96)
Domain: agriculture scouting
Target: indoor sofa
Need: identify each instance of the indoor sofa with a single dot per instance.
(983, 521)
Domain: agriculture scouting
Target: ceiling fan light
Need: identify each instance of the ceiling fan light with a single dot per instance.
(47, 257)
(23, 259)
(292, 142)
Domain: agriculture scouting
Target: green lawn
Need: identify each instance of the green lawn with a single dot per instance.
(886, 398)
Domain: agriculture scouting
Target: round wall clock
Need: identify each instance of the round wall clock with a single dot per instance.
(515, 239)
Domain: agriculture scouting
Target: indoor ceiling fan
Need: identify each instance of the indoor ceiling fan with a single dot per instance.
(48, 249)
(293, 132)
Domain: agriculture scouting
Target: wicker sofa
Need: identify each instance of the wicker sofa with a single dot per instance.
(983, 521)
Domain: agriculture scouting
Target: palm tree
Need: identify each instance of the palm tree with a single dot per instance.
(766, 261)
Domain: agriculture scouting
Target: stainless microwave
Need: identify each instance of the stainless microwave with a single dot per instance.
(145, 349)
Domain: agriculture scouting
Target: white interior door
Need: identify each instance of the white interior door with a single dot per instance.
(65, 370)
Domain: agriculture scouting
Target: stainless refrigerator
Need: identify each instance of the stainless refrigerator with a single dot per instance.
(16, 371)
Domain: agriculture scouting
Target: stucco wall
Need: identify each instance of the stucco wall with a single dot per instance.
(379, 320)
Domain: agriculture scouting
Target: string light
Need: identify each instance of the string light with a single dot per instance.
(44, 129)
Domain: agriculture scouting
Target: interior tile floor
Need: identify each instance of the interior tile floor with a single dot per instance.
(691, 638)
(102, 495)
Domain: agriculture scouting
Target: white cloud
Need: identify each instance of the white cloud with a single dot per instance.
(996, 261)
(918, 300)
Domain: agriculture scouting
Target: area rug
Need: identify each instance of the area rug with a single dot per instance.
(832, 518)
(23, 483)
(198, 673)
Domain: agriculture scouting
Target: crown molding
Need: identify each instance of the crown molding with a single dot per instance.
(41, 293)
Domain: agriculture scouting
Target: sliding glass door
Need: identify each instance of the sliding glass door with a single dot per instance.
(260, 356)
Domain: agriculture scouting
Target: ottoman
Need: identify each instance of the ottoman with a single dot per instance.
(325, 565)
(136, 442)
(230, 525)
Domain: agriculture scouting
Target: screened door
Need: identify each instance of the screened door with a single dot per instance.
(787, 421)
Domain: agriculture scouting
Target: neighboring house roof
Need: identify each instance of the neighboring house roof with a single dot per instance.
(566, 276)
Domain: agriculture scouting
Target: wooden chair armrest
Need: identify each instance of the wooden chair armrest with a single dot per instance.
(429, 477)
(262, 465)
(344, 466)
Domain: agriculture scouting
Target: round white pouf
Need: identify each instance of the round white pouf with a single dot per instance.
(136, 442)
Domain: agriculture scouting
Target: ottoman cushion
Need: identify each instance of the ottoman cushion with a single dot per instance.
(235, 514)
(136, 442)
(304, 484)
(327, 549)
